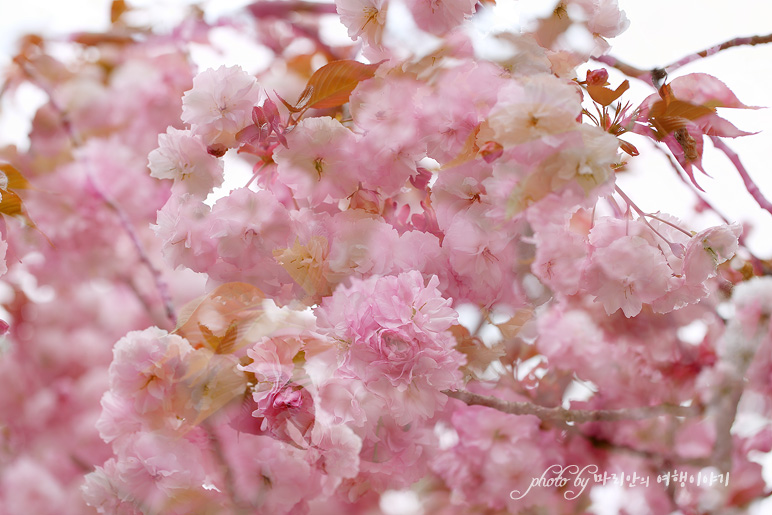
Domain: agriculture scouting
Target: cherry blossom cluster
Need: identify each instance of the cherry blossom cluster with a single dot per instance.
(432, 256)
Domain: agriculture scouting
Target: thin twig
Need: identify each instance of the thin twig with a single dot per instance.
(757, 264)
(279, 9)
(627, 69)
(602, 443)
(753, 40)
(255, 170)
(76, 140)
(230, 484)
(640, 212)
(161, 286)
(152, 313)
(732, 387)
(562, 415)
(671, 224)
(749, 184)
(651, 76)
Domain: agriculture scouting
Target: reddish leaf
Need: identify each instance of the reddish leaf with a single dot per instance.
(606, 96)
(290, 107)
(468, 152)
(679, 109)
(478, 355)
(305, 264)
(11, 204)
(706, 90)
(214, 381)
(629, 148)
(117, 8)
(669, 115)
(220, 344)
(230, 311)
(714, 125)
(332, 84)
(16, 180)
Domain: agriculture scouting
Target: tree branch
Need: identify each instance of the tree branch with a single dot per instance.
(602, 443)
(279, 9)
(753, 40)
(239, 505)
(758, 265)
(76, 140)
(655, 74)
(749, 184)
(627, 69)
(160, 284)
(732, 387)
(562, 415)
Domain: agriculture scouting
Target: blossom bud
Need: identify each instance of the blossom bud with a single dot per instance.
(597, 77)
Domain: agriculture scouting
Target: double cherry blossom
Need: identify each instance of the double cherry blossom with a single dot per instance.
(432, 257)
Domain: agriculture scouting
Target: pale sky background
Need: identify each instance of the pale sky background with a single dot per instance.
(661, 31)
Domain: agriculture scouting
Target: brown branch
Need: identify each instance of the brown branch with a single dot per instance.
(125, 221)
(627, 69)
(602, 443)
(146, 304)
(726, 413)
(654, 75)
(701, 199)
(757, 264)
(564, 416)
(126, 224)
(239, 505)
(753, 40)
(731, 388)
(280, 9)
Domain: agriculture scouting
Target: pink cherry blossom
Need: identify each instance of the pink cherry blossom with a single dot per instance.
(541, 107)
(606, 18)
(246, 227)
(627, 274)
(147, 365)
(154, 470)
(440, 16)
(220, 105)
(182, 225)
(396, 340)
(708, 249)
(363, 18)
(183, 158)
(560, 258)
(431, 286)
(315, 163)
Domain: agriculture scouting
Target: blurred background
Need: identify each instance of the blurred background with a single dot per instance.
(660, 33)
